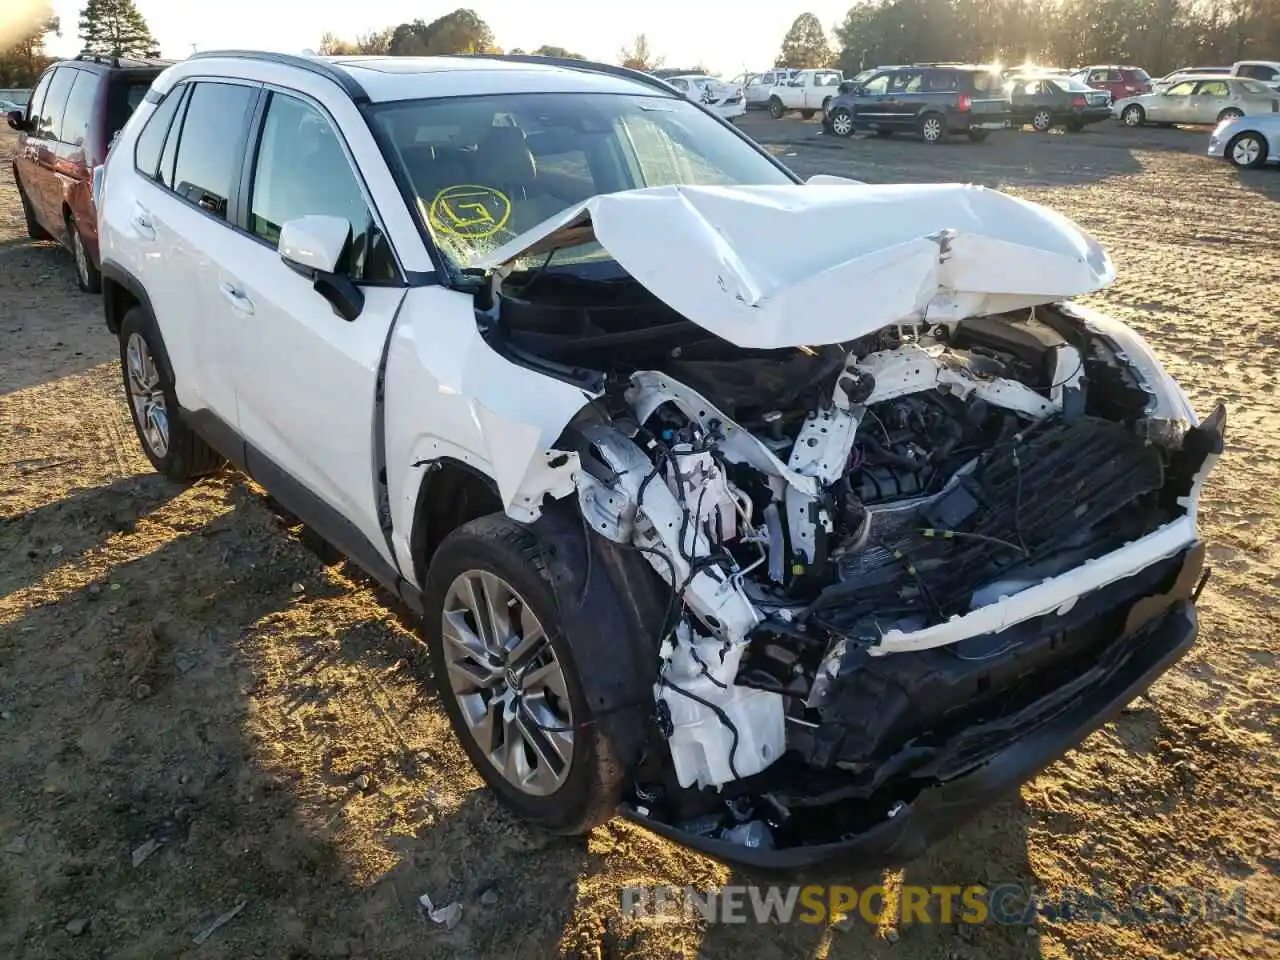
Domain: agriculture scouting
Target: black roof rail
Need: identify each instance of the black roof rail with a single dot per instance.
(569, 63)
(106, 59)
(314, 65)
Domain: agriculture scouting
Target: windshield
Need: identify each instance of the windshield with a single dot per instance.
(483, 170)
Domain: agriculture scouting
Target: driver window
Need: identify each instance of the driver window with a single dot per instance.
(302, 169)
(914, 84)
(877, 85)
(1182, 89)
(1212, 88)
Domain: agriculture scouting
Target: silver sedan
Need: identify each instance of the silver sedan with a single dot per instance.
(1199, 99)
(1247, 141)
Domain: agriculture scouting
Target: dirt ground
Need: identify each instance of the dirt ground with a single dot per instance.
(180, 666)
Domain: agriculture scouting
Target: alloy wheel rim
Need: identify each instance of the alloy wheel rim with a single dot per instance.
(508, 682)
(932, 129)
(842, 123)
(1245, 151)
(1131, 117)
(1041, 120)
(146, 395)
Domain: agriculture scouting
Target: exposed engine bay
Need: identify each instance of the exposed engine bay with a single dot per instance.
(831, 518)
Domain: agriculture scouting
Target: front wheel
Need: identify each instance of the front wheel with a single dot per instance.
(1042, 121)
(1247, 150)
(932, 128)
(172, 447)
(1133, 116)
(842, 122)
(508, 678)
(776, 108)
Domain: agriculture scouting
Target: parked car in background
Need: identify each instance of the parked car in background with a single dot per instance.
(721, 98)
(1169, 79)
(1264, 71)
(808, 91)
(932, 101)
(1247, 141)
(8, 106)
(77, 108)
(757, 86)
(1205, 99)
(1046, 102)
(1119, 81)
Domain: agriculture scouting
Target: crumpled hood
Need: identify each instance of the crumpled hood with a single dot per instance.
(808, 264)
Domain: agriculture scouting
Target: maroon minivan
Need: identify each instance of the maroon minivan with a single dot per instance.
(75, 112)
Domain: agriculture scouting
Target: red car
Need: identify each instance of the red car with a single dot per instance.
(75, 111)
(1120, 81)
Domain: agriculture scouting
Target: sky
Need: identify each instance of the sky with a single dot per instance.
(717, 34)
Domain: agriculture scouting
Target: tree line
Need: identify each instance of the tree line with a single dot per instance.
(1160, 35)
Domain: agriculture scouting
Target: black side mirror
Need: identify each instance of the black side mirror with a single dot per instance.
(341, 291)
(17, 120)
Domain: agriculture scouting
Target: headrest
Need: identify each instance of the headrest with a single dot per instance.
(503, 158)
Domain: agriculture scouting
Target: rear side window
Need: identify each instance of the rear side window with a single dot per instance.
(302, 170)
(55, 103)
(1213, 88)
(126, 95)
(209, 151)
(146, 154)
(1137, 74)
(80, 106)
(1256, 71)
(940, 81)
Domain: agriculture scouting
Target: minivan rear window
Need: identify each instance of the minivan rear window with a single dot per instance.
(126, 95)
(987, 82)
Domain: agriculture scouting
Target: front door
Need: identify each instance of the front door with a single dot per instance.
(305, 377)
(871, 105)
(1174, 105)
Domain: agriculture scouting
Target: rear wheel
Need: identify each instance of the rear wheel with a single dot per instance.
(1042, 120)
(776, 108)
(508, 679)
(87, 275)
(1074, 126)
(932, 128)
(842, 122)
(171, 446)
(1231, 113)
(1133, 116)
(807, 114)
(977, 136)
(1247, 150)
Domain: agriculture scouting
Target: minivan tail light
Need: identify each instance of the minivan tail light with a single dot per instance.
(964, 103)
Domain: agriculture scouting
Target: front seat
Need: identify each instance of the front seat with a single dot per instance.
(503, 162)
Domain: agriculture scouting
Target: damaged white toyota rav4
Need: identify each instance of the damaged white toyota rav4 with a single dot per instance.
(792, 520)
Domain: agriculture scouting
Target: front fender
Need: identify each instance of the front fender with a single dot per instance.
(449, 394)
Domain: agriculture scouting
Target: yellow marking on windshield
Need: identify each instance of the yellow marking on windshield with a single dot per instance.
(470, 211)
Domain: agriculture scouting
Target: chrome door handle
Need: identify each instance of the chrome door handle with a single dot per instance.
(237, 298)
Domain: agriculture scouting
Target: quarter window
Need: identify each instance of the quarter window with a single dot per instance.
(84, 96)
(302, 170)
(208, 160)
(146, 155)
(55, 103)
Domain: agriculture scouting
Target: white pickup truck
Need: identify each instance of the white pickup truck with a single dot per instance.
(808, 91)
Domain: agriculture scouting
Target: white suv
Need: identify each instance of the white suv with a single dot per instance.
(785, 550)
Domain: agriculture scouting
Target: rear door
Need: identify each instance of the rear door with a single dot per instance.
(304, 377)
(1172, 106)
(1209, 98)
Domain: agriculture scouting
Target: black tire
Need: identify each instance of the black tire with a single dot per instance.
(933, 128)
(495, 544)
(1133, 115)
(1074, 126)
(776, 108)
(807, 114)
(1231, 113)
(977, 136)
(1258, 159)
(187, 457)
(842, 122)
(1042, 120)
(34, 230)
(88, 277)
(826, 102)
